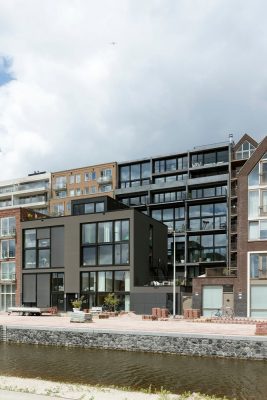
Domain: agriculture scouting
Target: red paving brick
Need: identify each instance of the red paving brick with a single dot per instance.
(133, 323)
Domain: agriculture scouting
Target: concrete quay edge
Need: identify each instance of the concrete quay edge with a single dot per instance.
(213, 336)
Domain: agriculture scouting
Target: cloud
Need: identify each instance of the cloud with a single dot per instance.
(182, 73)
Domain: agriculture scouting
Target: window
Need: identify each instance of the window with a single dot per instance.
(134, 174)
(78, 192)
(253, 203)
(8, 248)
(71, 179)
(7, 271)
(105, 243)
(72, 192)
(105, 232)
(90, 176)
(207, 248)
(172, 217)
(37, 248)
(257, 230)
(106, 173)
(105, 188)
(58, 209)
(245, 151)
(61, 182)
(88, 282)
(7, 226)
(258, 266)
(57, 282)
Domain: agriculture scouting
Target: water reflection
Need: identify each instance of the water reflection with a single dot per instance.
(240, 379)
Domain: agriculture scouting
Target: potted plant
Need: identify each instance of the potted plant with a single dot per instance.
(111, 301)
(77, 303)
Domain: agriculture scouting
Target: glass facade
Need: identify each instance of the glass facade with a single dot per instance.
(96, 285)
(105, 243)
(134, 174)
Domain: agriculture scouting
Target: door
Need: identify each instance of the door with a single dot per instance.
(212, 299)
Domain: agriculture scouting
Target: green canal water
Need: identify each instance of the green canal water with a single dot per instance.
(240, 379)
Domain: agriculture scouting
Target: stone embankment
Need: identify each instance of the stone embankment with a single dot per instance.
(250, 347)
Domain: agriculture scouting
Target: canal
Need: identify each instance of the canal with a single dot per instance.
(240, 379)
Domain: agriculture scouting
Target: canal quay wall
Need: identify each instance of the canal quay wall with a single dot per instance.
(249, 347)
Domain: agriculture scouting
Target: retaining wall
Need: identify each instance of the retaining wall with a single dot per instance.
(173, 343)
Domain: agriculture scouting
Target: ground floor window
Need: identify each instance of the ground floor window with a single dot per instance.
(96, 285)
(257, 285)
(7, 298)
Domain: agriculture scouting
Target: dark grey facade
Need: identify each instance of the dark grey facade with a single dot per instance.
(101, 250)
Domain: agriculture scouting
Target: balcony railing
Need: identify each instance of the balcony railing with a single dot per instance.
(8, 232)
(8, 276)
(218, 271)
(59, 186)
(102, 180)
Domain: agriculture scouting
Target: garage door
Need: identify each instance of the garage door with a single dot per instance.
(212, 299)
(258, 301)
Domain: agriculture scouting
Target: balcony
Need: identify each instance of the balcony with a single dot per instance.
(59, 186)
(215, 272)
(8, 233)
(102, 180)
(7, 277)
(7, 254)
(263, 210)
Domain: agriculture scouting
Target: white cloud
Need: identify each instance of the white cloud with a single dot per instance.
(181, 73)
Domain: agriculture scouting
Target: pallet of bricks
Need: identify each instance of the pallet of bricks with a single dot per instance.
(157, 313)
(191, 313)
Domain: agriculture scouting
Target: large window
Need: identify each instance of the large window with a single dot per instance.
(165, 197)
(8, 248)
(207, 216)
(139, 200)
(7, 226)
(174, 218)
(7, 271)
(170, 164)
(105, 243)
(37, 248)
(105, 281)
(210, 157)
(134, 174)
(207, 248)
(245, 151)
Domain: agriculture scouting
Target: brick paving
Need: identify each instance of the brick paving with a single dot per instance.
(134, 323)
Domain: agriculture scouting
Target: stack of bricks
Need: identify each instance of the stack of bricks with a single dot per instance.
(103, 316)
(150, 317)
(191, 313)
(164, 313)
(261, 328)
(156, 312)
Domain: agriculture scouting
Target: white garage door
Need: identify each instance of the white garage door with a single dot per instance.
(258, 301)
(212, 299)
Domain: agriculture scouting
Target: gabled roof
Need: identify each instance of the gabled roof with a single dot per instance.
(255, 158)
(244, 138)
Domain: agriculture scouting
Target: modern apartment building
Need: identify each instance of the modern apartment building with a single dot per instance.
(103, 247)
(79, 183)
(188, 193)
(32, 191)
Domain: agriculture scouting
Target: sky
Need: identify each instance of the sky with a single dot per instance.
(85, 82)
